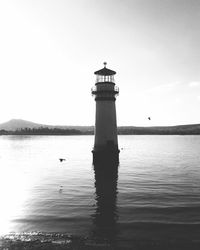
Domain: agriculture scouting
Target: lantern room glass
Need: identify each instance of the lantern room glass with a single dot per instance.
(102, 78)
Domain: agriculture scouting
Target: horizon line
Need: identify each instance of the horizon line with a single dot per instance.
(146, 126)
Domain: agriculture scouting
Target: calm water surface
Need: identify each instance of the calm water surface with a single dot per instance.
(154, 193)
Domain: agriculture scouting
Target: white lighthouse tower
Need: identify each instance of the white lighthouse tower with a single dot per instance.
(105, 92)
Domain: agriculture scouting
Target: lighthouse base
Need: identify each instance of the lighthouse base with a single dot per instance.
(106, 155)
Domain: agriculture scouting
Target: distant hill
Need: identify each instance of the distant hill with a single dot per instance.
(28, 127)
(18, 124)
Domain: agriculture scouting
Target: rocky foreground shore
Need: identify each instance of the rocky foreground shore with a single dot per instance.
(55, 241)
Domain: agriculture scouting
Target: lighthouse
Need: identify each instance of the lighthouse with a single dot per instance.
(105, 92)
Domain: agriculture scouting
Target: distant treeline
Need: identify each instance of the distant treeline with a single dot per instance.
(42, 131)
(171, 130)
(126, 130)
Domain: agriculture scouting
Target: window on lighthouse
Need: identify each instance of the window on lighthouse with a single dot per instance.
(103, 78)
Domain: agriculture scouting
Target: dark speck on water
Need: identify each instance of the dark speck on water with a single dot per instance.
(150, 201)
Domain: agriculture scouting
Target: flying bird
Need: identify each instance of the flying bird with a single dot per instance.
(149, 118)
(62, 159)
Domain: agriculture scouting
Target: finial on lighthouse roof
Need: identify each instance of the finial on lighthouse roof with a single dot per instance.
(105, 71)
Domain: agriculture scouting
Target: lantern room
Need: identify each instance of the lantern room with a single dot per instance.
(105, 75)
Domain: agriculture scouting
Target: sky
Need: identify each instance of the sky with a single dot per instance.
(49, 50)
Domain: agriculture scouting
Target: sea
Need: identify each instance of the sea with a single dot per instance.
(150, 200)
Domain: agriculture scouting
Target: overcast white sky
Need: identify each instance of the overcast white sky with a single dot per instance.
(49, 50)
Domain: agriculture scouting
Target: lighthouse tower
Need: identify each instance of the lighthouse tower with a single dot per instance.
(105, 92)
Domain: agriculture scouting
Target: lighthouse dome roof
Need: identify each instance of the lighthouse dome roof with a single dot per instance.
(105, 71)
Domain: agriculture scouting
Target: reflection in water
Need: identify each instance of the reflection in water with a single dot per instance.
(105, 217)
